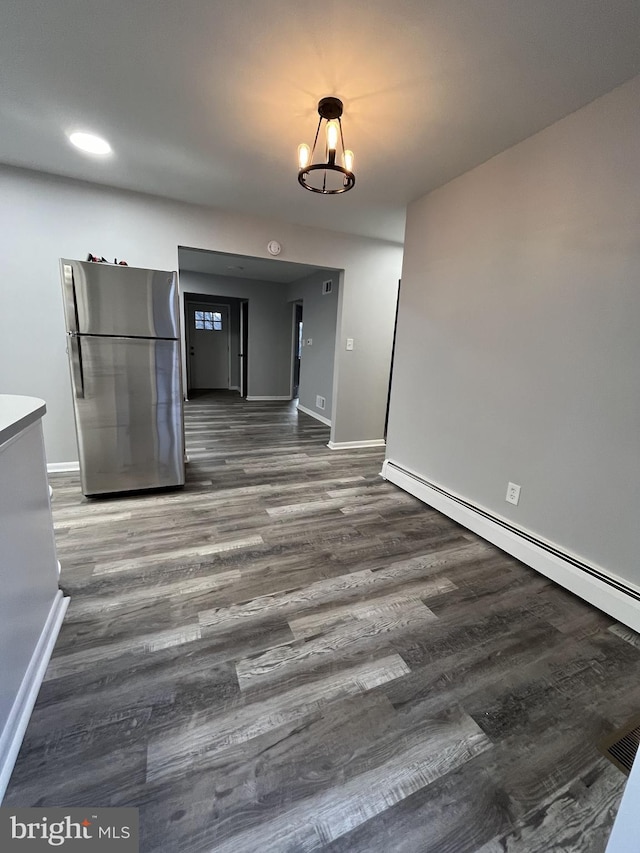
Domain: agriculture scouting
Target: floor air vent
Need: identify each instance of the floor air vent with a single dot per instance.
(621, 746)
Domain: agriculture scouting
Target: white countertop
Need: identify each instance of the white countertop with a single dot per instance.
(17, 413)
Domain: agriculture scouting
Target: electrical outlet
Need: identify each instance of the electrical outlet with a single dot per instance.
(513, 494)
(349, 343)
(320, 402)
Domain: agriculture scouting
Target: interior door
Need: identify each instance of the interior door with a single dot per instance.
(208, 346)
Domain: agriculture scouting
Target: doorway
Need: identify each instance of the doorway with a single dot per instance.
(244, 348)
(297, 348)
(268, 336)
(393, 355)
(208, 346)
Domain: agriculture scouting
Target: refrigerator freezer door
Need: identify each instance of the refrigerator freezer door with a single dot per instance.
(128, 414)
(101, 299)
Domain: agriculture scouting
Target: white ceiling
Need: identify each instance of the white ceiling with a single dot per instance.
(243, 266)
(207, 100)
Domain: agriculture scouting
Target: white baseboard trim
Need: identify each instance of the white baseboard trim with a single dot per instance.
(601, 588)
(313, 414)
(13, 732)
(354, 445)
(267, 398)
(62, 467)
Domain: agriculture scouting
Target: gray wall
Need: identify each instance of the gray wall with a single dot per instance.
(518, 353)
(320, 315)
(46, 218)
(269, 362)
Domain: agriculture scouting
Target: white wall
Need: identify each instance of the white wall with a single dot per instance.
(45, 218)
(319, 318)
(269, 350)
(518, 351)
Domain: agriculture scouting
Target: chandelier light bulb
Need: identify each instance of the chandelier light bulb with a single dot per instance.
(332, 135)
(348, 160)
(304, 155)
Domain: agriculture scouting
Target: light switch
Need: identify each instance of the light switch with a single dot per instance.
(349, 343)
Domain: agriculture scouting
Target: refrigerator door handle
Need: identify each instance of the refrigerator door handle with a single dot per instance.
(75, 359)
(69, 290)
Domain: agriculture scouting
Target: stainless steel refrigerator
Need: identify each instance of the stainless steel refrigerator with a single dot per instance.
(123, 343)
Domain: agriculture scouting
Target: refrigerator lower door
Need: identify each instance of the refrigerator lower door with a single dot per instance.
(129, 416)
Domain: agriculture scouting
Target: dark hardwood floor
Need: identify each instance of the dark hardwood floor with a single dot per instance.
(293, 655)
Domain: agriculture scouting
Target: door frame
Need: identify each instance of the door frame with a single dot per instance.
(244, 347)
(297, 305)
(393, 355)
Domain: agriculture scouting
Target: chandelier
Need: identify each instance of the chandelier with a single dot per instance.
(335, 175)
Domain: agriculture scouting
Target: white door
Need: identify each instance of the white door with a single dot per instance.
(208, 346)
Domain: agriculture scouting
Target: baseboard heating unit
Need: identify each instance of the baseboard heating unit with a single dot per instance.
(604, 590)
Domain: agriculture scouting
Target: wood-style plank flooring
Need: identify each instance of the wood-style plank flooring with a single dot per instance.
(293, 655)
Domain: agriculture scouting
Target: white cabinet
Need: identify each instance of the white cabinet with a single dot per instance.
(31, 605)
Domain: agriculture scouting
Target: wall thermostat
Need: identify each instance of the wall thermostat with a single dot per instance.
(274, 248)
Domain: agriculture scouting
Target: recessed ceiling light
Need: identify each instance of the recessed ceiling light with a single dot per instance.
(90, 143)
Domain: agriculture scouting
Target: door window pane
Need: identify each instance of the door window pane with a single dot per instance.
(210, 320)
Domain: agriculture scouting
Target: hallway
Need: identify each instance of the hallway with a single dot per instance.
(292, 654)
